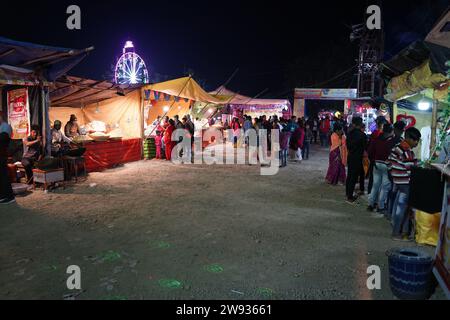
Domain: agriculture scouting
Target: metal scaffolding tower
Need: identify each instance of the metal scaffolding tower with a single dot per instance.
(371, 51)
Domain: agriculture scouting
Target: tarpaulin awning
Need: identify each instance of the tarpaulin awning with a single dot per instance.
(45, 63)
(238, 99)
(186, 88)
(414, 81)
(18, 77)
(414, 56)
(76, 92)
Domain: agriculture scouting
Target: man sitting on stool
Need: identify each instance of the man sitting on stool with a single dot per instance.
(60, 143)
(34, 152)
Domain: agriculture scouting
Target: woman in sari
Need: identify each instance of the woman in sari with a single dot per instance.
(168, 139)
(338, 157)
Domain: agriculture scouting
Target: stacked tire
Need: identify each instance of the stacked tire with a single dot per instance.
(149, 149)
(411, 274)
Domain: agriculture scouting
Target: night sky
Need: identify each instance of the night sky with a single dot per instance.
(276, 45)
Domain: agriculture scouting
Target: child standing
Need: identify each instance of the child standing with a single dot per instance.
(400, 162)
(158, 144)
(284, 146)
(307, 142)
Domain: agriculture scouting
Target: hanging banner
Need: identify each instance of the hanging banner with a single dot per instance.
(19, 113)
(326, 94)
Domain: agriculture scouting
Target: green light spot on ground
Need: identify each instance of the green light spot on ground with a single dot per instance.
(51, 268)
(214, 268)
(266, 292)
(111, 256)
(163, 245)
(170, 283)
(159, 244)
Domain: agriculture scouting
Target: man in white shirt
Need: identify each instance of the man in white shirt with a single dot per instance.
(60, 143)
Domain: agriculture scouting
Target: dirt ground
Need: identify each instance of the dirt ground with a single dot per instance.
(154, 230)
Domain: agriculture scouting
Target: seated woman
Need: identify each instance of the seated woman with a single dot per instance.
(33, 153)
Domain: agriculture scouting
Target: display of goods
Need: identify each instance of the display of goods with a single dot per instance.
(98, 126)
(149, 149)
(99, 136)
(80, 139)
(116, 134)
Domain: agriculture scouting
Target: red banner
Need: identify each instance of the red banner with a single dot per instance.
(19, 113)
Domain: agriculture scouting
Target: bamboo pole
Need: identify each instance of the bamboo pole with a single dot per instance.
(173, 103)
(434, 126)
(141, 120)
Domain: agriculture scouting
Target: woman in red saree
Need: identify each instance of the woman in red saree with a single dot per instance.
(168, 139)
(338, 157)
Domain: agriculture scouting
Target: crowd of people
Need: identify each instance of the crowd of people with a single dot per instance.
(386, 158)
(164, 129)
(296, 135)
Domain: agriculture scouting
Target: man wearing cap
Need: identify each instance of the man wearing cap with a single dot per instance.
(72, 129)
(60, 143)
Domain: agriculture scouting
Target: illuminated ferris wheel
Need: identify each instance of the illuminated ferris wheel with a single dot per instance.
(130, 69)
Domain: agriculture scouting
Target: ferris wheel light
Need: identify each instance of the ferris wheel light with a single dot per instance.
(129, 44)
(130, 68)
(133, 78)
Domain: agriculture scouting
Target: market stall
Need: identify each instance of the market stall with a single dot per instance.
(26, 72)
(418, 89)
(174, 97)
(442, 257)
(369, 110)
(303, 95)
(239, 105)
(109, 117)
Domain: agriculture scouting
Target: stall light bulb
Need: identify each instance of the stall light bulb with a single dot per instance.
(166, 109)
(210, 110)
(424, 105)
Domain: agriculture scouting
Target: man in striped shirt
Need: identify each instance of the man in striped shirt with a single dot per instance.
(400, 162)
